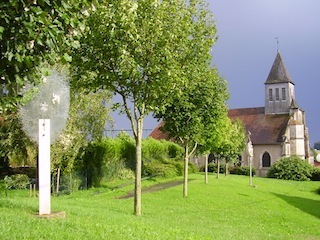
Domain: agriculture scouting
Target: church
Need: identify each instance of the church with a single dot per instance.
(276, 130)
(279, 128)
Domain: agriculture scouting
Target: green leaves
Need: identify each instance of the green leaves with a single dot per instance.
(33, 32)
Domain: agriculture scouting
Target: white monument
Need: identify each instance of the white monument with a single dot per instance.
(43, 119)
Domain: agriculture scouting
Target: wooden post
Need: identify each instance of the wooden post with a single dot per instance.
(206, 169)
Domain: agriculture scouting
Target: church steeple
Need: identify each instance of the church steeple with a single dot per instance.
(279, 89)
(278, 72)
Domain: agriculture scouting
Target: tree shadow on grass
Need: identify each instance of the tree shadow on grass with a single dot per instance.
(307, 205)
(155, 188)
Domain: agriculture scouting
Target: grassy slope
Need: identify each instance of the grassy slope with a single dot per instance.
(226, 208)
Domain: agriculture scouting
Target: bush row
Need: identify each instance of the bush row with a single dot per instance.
(115, 158)
(238, 170)
(17, 181)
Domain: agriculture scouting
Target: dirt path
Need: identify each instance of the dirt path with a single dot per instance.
(154, 188)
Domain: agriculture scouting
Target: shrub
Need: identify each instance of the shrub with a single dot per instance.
(179, 165)
(3, 188)
(153, 149)
(212, 167)
(291, 168)
(315, 174)
(166, 168)
(174, 150)
(157, 168)
(192, 168)
(69, 183)
(111, 158)
(157, 149)
(128, 150)
(18, 181)
(242, 170)
(92, 163)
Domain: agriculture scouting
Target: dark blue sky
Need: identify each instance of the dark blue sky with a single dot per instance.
(246, 49)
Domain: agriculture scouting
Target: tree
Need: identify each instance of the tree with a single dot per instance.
(88, 118)
(15, 147)
(238, 138)
(131, 51)
(194, 114)
(230, 142)
(212, 137)
(31, 32)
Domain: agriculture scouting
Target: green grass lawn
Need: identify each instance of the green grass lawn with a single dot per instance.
(226, 208)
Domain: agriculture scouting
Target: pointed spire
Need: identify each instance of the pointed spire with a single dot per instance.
(278, 72)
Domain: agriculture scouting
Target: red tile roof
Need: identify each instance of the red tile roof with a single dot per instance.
(265, 129)
(158, 134)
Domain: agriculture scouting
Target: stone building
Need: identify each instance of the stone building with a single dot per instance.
(279, 128)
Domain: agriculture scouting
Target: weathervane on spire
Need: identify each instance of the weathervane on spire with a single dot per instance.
(277, 38)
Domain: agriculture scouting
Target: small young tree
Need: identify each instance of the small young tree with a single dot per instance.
(237, 138)
(212, 138)
(142, 50)
(217, 138)
(191, 116)
(88, 118)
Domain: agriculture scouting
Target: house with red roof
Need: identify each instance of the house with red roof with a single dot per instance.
(277, 129)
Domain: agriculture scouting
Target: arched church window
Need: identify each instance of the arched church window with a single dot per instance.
(211, 158)
(266, 160)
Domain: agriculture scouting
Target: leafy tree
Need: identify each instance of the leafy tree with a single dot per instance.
(88, 117)
(231, 141)
(15, 148)
(142, 50)
(212, 137)
(31, 32)
(238, 139)
(191, 116)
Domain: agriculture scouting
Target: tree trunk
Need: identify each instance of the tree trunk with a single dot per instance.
(58, 180)
(206, 169)
(137, 192)
(218, 168)
(185, 175)
(226, 171)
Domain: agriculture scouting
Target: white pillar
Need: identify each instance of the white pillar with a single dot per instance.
(44, 167)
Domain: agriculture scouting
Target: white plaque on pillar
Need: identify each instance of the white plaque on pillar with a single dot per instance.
(44, 167)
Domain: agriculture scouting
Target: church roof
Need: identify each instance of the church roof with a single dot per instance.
(158, 134)
(278, 72)
(264, 129)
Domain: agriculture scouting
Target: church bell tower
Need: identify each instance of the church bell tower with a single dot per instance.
(279, 89)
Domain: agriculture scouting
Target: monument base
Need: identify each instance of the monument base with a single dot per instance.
(61, 215)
